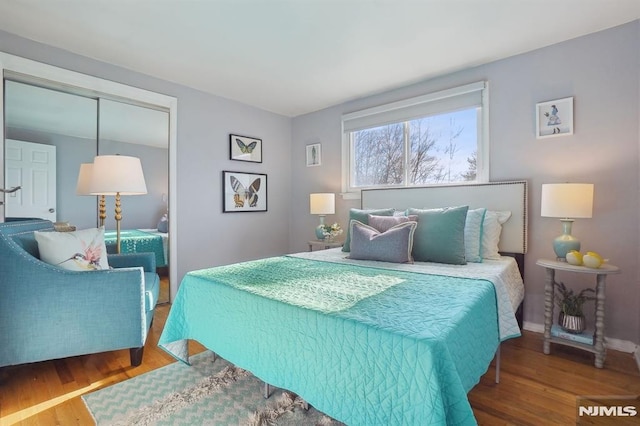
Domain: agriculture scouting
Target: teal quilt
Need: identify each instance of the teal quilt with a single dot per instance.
(136, 241)
(365, 345)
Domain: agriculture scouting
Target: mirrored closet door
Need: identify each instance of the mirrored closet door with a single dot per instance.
(48, 134)
(55, 120)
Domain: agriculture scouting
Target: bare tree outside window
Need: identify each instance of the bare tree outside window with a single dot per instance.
(452, 146)
(431, 150)
(471, 173)
(379, 155)
(425, 166)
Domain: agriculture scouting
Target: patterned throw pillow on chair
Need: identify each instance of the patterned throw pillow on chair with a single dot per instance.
(82, 250)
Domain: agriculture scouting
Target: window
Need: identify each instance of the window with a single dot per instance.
(433, 139)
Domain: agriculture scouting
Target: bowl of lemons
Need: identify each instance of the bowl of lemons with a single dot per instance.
(591, 259)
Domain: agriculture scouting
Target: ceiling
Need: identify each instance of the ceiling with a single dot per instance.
(297, 56)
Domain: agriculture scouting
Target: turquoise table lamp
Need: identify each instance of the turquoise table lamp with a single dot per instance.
(567, 201)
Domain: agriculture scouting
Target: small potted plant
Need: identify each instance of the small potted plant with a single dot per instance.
(571, 317)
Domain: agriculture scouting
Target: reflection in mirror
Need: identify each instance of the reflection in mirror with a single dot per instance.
(141, 132)
(51, 129)
(48, 135)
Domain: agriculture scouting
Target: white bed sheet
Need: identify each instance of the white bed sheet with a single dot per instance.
(503, 273)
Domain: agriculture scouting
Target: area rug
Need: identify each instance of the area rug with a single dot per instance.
(209, 392)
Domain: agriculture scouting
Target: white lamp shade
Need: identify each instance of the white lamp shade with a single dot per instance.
(114, 174)
(322, 204)
(567, 200)
(83, 187)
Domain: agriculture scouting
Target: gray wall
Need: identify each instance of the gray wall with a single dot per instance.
(602, 72)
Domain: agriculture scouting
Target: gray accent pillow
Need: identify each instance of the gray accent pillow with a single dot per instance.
(384, 223)
(439, 236)
(394, 245)
(363, 217)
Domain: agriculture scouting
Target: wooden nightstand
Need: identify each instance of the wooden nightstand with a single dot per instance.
(551, 266)
(323, 245)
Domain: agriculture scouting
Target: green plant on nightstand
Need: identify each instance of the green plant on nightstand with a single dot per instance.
(571, 317)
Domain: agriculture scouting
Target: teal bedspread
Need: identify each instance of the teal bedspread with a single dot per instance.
(366, 346)
(136, 241)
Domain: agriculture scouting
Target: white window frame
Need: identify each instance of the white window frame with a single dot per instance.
(398, 108)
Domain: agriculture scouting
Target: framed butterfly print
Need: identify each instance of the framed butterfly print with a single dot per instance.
(244, 192)
(244, 148)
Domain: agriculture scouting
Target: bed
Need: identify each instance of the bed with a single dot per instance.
(140, 240)
(364, 341)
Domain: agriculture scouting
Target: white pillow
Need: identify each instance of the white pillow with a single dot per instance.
(492, 227)
(473, 233)
(82, 250)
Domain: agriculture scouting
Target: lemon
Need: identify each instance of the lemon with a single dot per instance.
(592, 259)
(596, 255)
(574, 257)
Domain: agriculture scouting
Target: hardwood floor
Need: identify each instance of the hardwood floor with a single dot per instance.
(534, 389)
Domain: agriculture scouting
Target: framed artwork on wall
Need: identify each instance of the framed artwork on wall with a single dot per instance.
(244, 192)
(245, 148)
(314, 155)
(554, 118)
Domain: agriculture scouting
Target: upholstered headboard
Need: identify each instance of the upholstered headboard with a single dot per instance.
(510, 196)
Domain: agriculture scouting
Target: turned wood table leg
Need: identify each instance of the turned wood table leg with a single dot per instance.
(599, 335)
(548, 308)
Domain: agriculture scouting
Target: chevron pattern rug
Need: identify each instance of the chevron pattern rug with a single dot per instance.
(210, 392)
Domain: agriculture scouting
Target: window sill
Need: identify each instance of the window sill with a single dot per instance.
(351, 195)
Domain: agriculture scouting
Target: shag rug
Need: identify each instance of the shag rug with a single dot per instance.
(209, 392)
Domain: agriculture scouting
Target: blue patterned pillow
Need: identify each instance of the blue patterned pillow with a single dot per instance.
(394, 245)
(363, 217)
(439, 236)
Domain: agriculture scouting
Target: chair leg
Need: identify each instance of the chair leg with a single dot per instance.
(136, 356)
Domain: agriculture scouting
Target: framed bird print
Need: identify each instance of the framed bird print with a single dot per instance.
(244, 148)
(554, 118)
(244, 192)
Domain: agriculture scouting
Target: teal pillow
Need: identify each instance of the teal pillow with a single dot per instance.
(362, 216)
(473, 233)
(393, 245)
(439, 236)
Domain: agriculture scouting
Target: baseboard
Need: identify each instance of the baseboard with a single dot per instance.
(614, 344)
(532, 326)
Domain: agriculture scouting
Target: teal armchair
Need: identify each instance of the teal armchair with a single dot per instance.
(47, 312)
